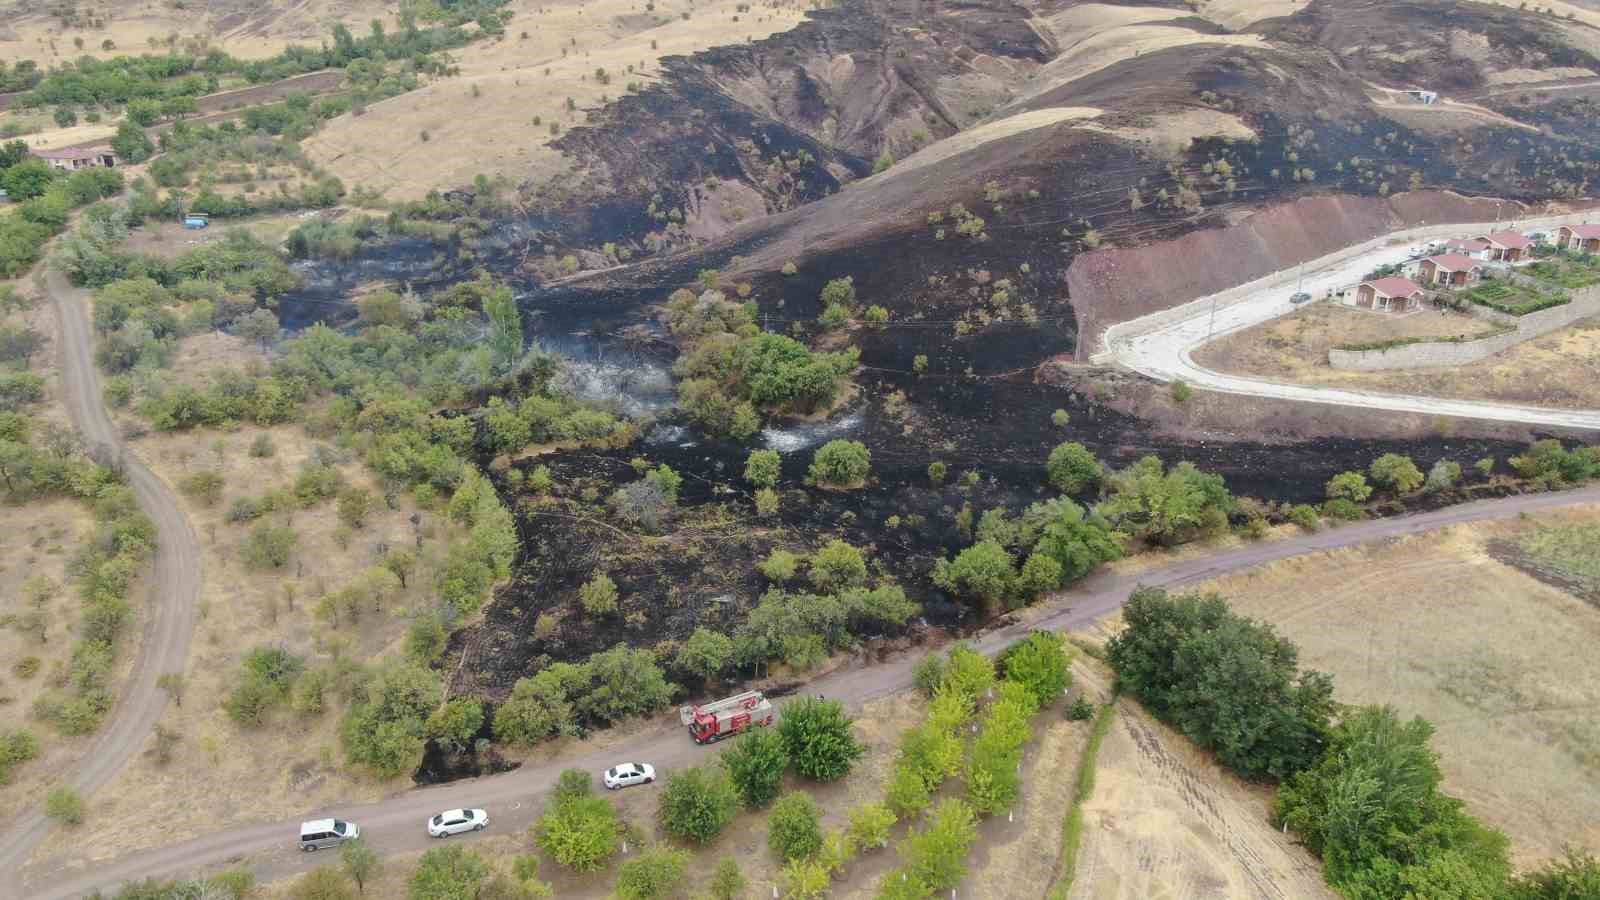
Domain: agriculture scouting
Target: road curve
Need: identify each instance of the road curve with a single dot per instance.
(1164, 351)
(396, 824)
(173, 585)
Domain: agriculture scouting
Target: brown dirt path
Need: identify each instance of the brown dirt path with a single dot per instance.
(174, 585)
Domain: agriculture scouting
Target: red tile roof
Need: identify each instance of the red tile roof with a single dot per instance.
(1395, 286)
(1509, 239)
(1585, 231)
(1453, 262)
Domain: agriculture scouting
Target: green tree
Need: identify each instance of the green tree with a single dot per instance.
(268, 546)
(505, 327)
(27, 179)
(837, 566)
(539, 707)
(1073, 469)
(934, 856)
(323, 883)
(16, 747)
(1396, 473)
(355, 504)
(818, 738)
(131, 144)
(1038, 662)
(985, 570)
(622, 682)
(762, 468)
(841, 463)
(697, 803)
(728, 883)
(706, 653)
(1576, 876)
(64, 805)
(599, 595)
(456, 723)
(1078, 542)
(756, 763)
(581, 833)
(1350, 486)
(1167, 506)
(794, 829)
(869, 826)
(360, 862)
(655, 874)
(448, 873)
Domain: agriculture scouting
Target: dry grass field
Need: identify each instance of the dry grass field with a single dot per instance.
(1559, 369)
(496, 118)
(1502, 664)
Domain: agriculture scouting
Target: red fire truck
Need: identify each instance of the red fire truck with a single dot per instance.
(730, 715)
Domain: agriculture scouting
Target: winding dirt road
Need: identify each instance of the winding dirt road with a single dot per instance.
(173, 585)
(512, 799)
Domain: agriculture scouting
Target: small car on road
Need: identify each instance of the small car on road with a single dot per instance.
(1300, 297)
(626, 774)
(457, 821)
(320, 833)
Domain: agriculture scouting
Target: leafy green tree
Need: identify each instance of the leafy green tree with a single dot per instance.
(448, 873)
(1167, 506)
(384, 727)
(804, 879)
(935, 855)
(505, 327)
(538, 708)
(762, 468)
(841, 463)
(360, 862)
(131, 144)
(907, 794)
(1073, 469)
(581, 833)
(623, 682)
(456, 723)
(697, 803)
(268, 546)
(1396, 473)
(1576, 876)
(1078, 542)
(818, 738)
(985, 570)
(1041, 573)
(869, 826)
(728, 882)
(27, 179)
(794, 829)
(836, 566)
(756, 763)
(654, 874)
(934, 753)
(1038, 662)
(706, 653)
(1230, 684)
(928, 674)
(1350, 486)
(355, 504)
(968, 673)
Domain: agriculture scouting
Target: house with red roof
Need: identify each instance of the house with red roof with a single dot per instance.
(1506, 246)
(73, 158)
(1470, 248)
(1579, 238)
(1450, 270)
(1392, 294)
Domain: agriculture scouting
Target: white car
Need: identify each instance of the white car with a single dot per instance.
(628, 774)
(456, 821)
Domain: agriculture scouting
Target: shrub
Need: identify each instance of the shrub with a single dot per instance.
(323, 883)
(1039, 663)
(837, 566)
(818, 738)
(766, 503)
(697, 803)
(756, 763)
(1080, 710)
(779, 566)
(985, 570)
(1073, 469)
(1351, 486)
(656, 873)
(1060, 418)
(355, 504)
(1305, 515)
(841, 463)
(937, 471)
(1343, 510)
(1442, 476)
(204, 487)
(1167, 506)
(64, 805)
(1181, 392)
(581, 833)
(928, 674)
(869, 826)
(16, 747)
(794, 829)
(448, 873)
(268, 546)
(804, 879)
(762, 468)
(599, 595)
(1396, 473)
(706, 653)
(934, 856)
(1485, 466)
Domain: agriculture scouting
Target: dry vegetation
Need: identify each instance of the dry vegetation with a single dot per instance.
(170, 240)
(1502, 664)
(1558, 369)
(497, 117)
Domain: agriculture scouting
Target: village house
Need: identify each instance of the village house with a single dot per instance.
(1470, 248)
(1390, 294)
(1583, 238)
(1449, 270)
(1506, 246)
(74, 158)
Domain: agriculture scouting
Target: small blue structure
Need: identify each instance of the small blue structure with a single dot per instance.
(195, 221)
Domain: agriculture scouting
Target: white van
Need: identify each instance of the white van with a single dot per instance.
(320, 833)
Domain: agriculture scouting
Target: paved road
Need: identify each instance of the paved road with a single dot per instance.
(1166, 352)
(173, 586)
(396, 824)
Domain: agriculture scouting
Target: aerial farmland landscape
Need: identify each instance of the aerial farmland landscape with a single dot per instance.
(650, 449)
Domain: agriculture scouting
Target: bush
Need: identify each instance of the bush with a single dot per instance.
(1039, 663)
(1396, 473)
(1442, 476)
(324, 883)
(355, 504)
(1343, 510)
(204, 487)
(985, 570)
(706, 653)
(1305, 516)
(756, 763)
(837, 566)
(762, 468)
(1080, 710)
(937, 472)
(794, 829)
(804, 879)
(869, 826)
(1073, 469)
(1181, 392)
(448, 873)
(935, 855)
(16, 747)
(697, 803)
(766, 503)
(64, 805)
(779, 566)
(582, 833)
(841, 463)
(268, 546)
(599, 595)
(1167, 506)
(1229, 683)
(818, 738)
(729, 882)
(928, 674)
(656, 873)
(1351, 486)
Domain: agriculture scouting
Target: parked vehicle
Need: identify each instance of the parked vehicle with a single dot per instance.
(457, 821)
(1300, 297)
(628, 774)
(730, 715)
(321, 833)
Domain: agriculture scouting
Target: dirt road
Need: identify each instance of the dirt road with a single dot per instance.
(1161, 345)
(512, 799)
(173, 585)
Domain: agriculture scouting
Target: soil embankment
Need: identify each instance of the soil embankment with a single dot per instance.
(1116, 285)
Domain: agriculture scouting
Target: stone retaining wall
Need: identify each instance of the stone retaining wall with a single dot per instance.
(1440, 354)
